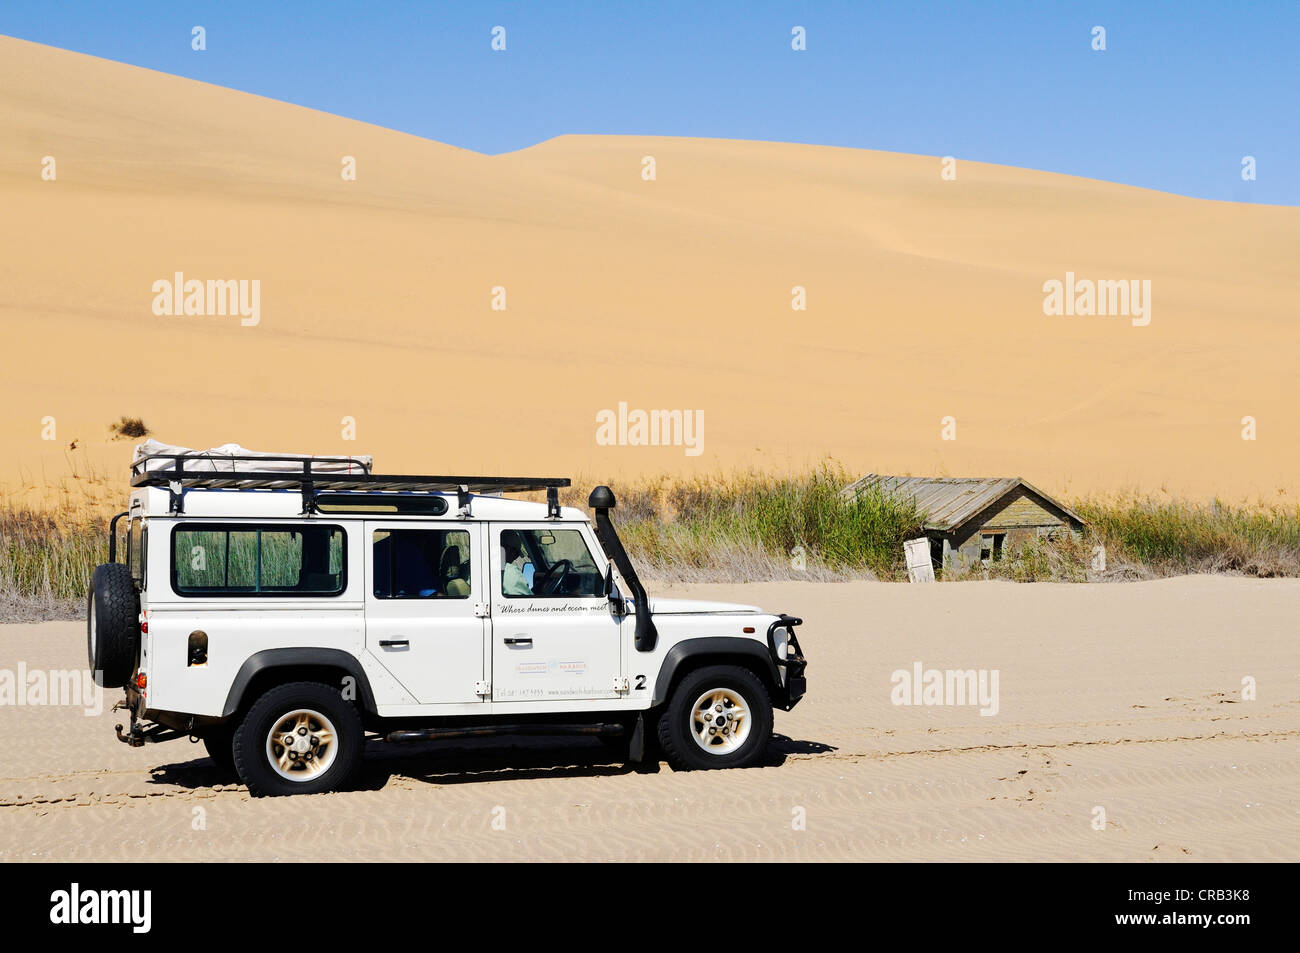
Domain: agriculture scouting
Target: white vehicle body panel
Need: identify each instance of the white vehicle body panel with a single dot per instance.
(434, 647)
(581, 650)
(698, 607)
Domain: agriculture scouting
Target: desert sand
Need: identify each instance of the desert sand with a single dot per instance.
(924, 300)
(1126, 698)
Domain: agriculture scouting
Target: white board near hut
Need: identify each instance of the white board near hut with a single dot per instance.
(919, 567)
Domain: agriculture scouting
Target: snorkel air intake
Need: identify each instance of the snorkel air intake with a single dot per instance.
(602, 501)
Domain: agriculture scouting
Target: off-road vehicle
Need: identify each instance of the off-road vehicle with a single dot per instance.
(284, 608)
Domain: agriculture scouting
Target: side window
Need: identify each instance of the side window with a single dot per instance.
(135, 550)
(211, 560)
(144, 558)
(421, 564)
(991, 546)
(547, 563)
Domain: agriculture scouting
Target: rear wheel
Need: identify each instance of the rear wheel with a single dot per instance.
(719, 716)
(300, 738)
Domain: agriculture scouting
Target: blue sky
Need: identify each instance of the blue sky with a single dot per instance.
(1182, 92)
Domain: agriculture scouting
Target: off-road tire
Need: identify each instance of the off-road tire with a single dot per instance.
(253, 760)
(112, 625)
(678, 723)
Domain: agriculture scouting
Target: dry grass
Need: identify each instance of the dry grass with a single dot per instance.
(46, 561)
(741, 527)
(1175, 537)
(128, 428)
(751, 527)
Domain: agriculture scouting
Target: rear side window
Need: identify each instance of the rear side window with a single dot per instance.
(143, 559)
(421, 564)
(135, 550)
(231, 560)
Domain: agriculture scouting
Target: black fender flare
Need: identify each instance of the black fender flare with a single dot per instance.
(722, 646)
(267, 659)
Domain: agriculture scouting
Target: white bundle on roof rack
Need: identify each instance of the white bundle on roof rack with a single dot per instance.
(220, 459)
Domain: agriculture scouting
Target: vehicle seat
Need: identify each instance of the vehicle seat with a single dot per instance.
(319, 581)
(452, 572)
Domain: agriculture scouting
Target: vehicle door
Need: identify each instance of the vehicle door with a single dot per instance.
(426, 595)
(554, 636)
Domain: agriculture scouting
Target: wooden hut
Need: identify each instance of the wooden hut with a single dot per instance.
(976, 519)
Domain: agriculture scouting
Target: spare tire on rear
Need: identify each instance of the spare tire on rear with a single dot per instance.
(112, 625)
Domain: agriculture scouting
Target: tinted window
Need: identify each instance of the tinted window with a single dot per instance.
(213, 560)
(380, 503)
(421, 564)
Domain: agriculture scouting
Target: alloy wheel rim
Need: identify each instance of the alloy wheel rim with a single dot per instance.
(720, 721)
(301, 745)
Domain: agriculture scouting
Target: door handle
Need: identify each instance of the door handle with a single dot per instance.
(518, 640)
(394, 643)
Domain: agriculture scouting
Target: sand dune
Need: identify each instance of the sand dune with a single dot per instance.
(1126, 698)
(924, 299)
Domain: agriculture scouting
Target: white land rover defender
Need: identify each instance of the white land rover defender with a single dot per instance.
(283, 607)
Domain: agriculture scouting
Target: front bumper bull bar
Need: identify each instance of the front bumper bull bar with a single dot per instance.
(796, 683)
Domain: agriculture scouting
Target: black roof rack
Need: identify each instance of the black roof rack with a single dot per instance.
(177, 477)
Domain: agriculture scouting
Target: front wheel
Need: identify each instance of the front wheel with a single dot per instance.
(300, 738)
(718, 717)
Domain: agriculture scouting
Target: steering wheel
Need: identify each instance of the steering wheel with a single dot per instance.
(553, 579)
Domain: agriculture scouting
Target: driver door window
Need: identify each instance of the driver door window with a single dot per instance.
(547, 563)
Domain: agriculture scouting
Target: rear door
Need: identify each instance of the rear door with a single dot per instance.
(425, 586)
(554, 637)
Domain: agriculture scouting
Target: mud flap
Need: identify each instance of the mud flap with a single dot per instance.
(636, 745)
